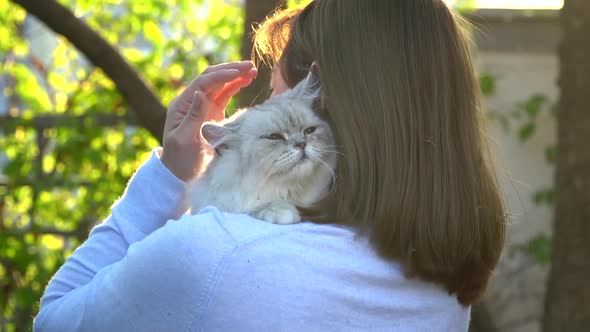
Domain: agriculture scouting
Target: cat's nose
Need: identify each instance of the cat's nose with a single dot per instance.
(300, 145)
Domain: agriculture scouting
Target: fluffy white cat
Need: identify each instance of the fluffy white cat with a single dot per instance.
(269, 159)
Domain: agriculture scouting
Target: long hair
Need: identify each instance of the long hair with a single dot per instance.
(403, 101)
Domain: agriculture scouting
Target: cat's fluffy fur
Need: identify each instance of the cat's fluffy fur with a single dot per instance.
(269, 159)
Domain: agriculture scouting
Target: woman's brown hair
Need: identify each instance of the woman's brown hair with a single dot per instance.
(401, 95)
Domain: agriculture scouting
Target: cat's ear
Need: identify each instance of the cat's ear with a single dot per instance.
(309, 89)
(217, 136)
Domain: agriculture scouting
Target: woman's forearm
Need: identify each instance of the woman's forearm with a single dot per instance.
(153, 196)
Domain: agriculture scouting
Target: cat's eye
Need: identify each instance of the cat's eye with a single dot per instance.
(274, 136)
(309, 130)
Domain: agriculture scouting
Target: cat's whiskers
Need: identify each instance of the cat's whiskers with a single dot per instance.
(313, 152)
(328, 151)
(285, 162)
(333, 146)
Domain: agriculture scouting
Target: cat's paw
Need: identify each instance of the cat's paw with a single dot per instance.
(279, 212)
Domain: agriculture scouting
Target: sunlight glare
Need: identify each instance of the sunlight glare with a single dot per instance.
(516, 4)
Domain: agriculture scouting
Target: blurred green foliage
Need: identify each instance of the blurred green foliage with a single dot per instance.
(525, 118)
(539, 247)
(61, 179)
(464, 6)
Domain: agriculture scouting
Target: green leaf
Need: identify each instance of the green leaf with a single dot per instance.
(534, 104)
(551, 154)
(544, 196)
(132, 54)
(540, 247)
(152, 32)
(29, 89)
(57, 81)
(526, 131)
(487, 84)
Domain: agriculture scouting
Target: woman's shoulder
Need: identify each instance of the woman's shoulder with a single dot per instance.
(223, 227)
(315, 264)
(211, 236)
(242, 229)
(240, 263)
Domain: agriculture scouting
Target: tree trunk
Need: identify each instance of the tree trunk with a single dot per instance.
(567, 303)
(255, 12)
(146, 105)
(481, 319)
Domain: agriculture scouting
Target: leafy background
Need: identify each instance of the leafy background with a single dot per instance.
(64, 165)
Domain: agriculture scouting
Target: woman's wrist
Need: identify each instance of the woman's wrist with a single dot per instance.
(153, 196)
(184, 171)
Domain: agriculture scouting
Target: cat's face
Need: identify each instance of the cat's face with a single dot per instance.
(281, 138)
(286, 140)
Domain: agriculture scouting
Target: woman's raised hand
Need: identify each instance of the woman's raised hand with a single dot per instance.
(204, 99)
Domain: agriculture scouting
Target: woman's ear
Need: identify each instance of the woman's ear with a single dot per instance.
(217, 136)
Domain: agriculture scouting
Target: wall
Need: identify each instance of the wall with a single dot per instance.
(519, 49)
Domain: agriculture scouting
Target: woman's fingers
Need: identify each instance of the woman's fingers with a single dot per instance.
(209, 83)
(242, 66)
(215, 77)
(217, 84)
(196, 115)
(231, 88)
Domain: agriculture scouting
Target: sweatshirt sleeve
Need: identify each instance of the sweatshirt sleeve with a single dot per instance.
(153, 196)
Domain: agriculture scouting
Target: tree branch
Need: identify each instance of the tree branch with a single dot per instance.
(150, 112)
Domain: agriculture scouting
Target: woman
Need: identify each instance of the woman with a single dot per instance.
(415, 224)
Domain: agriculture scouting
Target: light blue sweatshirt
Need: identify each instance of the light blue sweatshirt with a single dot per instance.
(148, 267)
